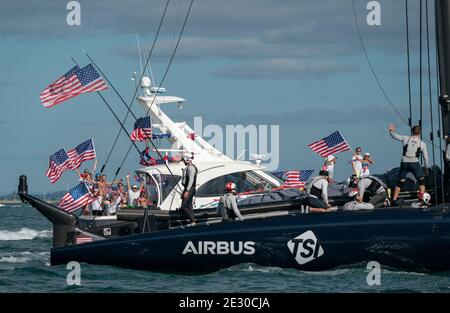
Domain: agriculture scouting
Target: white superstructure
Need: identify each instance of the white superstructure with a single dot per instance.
(215, 169)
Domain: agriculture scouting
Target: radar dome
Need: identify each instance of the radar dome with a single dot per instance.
(146, 82)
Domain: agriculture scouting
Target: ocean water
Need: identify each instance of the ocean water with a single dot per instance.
(26, 239)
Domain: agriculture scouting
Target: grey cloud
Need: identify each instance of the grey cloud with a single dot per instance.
(285, 68)
(315, 116)
(243, 48)
(311, 22)
(306, 116)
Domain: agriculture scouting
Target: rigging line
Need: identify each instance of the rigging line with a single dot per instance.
(409, 64)
(430, 98)
(374, 73)
(372, 68)
(420, 65)
(162, 81)
(109, 82)
(139, 50)
(441, 155)
(137, 85)
(112, 111)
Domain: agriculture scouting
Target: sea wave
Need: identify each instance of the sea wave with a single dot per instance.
(23, 257)
(24, 234)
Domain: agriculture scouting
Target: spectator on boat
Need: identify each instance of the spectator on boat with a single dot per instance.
(97, 204)
(120, 188)
(318, 193)
(356, 162)
(228, 204)
(142, 200)
(124, 201)
(413, 148)
(330, 161)
(371, 186)
(366, 163)
(189, 181)
(133, 192)
(87, 178)
(115, 203)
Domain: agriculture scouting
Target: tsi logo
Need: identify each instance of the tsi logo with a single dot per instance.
(305, 247)
(220, 247)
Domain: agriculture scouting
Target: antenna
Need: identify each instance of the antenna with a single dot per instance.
(139, 50)
(146, 69)
(151, 72)
(258, 158)
(241, 154)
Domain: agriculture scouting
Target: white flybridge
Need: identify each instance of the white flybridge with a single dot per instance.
(215, 169)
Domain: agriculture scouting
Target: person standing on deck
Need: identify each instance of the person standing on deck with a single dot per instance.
(189, 180)
(356, 162)
(413, 148)
(366, 163)
(330, 162)
(228, 204)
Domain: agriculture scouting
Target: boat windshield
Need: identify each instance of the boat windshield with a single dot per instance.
(165, 182)
(275, 177)
(247, 181)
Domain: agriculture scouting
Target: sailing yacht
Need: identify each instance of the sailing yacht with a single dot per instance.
(277, 229)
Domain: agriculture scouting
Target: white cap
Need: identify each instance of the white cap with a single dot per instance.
(367, 153)
(330, 158)
(187, 156)
(134, 187)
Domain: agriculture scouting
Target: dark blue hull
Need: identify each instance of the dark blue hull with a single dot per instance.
(402, 238)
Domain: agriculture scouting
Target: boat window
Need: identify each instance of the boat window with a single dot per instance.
(213, 188)
(245, 182)
(249, 181)
(166, 183)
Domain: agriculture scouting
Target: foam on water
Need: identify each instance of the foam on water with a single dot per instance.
(23, 257)
(24, 234)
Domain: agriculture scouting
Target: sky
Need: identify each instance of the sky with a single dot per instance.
(293, 63)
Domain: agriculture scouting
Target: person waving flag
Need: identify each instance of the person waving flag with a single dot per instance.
(71, 84)
(331, 144)
(78, 196)
(83, 152)
(142, 129)
(59, 162)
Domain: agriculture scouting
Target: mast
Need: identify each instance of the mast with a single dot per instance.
(443, 46)
(442, 11)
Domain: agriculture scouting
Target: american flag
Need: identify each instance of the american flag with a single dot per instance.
(297, 179)
(279, 175)
(83, 152)
(83, 239)
(77, 197)
(142, 129)
(71, 84)
(59, 162)
(334, 143)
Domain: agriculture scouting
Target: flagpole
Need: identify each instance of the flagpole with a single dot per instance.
(112, 111)
(351, 149)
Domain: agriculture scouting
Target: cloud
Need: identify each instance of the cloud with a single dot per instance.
(314, 116)
(306, 24)
(241, 48)
(317, 116)
(285, 68)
